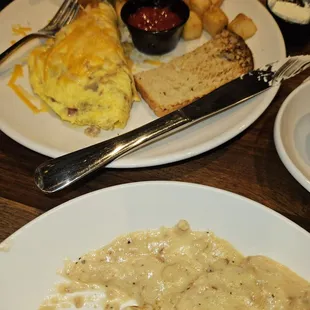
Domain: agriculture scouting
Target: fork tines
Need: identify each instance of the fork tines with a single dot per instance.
(293, 66)
(64, 15)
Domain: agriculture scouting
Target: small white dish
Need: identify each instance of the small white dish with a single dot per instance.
(292, 134)
(31, 257)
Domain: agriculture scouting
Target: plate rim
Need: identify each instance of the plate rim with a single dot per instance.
(123, 163)
(154, 184)
(281, 150)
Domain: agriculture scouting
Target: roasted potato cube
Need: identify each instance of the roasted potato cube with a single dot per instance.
(214, 21)
(243, 26)
(217, 3)
(193, 27)
(200, 6)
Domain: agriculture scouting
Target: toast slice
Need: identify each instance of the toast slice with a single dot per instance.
(186, 78)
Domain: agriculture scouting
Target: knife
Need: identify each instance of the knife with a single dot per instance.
(56, 174)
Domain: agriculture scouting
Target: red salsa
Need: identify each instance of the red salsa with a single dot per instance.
(154, 19)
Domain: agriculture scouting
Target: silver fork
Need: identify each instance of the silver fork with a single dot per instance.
(291, 67)
(64, 16)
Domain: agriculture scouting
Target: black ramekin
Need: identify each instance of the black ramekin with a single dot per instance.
(155, 42)
(292, 32)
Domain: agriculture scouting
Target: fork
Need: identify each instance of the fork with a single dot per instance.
(64, 16)
(291, 67)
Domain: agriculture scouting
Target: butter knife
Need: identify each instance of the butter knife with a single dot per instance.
(56, 174)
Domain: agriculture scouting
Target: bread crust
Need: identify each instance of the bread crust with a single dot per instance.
(230, 47)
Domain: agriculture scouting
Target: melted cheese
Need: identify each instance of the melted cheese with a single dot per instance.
(20, 30)
(19, 90)
(17, 72)
(79, 52)
(152, 62)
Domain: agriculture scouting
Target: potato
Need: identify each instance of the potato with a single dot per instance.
(243, 26)
(188, 3)
(193, 27)
(214, 21)
(217, 3)
(200, 6)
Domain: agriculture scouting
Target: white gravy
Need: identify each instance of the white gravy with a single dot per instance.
(177, 268)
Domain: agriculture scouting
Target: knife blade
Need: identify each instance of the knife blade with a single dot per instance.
(229, 95)
(58, 173)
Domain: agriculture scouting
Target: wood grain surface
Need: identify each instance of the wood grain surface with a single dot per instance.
(247, 165)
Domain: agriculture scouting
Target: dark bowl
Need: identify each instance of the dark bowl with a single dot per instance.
(292, 32)
(155, 42)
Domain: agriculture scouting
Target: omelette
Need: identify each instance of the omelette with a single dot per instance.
(83, 73)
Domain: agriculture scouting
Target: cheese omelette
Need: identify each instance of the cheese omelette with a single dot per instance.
(83, 74)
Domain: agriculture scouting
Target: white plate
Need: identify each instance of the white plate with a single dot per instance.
(292, 134)
(37, 251)
(47, 134)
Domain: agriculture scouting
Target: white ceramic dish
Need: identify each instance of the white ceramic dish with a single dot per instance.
(292, 134)
(45, 133)
(35, 252)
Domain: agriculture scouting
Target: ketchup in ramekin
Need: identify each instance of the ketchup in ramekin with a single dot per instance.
(155, 25)
(154, 19)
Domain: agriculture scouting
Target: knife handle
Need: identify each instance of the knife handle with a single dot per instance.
(56, 174)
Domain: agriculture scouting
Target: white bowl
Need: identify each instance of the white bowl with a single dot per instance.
(35, 252)
(292, 134)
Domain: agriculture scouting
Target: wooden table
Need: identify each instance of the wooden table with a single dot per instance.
(247, 165)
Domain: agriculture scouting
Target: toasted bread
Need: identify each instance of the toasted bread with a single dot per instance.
(186, 78)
